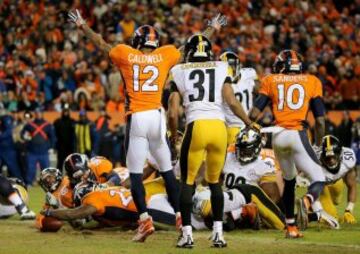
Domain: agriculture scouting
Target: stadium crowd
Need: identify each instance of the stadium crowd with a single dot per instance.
(45, 63)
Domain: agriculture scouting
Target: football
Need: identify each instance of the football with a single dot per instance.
(50, 224)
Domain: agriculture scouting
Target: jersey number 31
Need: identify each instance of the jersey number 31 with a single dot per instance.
(199, 77)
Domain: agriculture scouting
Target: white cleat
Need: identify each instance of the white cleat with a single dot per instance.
(218, 240)
(185, 241)
(331, 221)
(28, 215)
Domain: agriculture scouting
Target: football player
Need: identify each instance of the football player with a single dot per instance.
(339, 167)
(203, 85)
(243, 165)
(245, 83)
(292, 94)
(144, 67)
(13, 199)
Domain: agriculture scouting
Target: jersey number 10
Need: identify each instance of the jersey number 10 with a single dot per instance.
(287, 96)
(199, 76)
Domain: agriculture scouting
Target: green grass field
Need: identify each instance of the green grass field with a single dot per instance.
(22, 237)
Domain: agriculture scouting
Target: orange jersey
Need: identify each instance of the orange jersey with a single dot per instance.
(290, 96)
(100, 167)
(64, 193)
(144, 75)
(115, 203)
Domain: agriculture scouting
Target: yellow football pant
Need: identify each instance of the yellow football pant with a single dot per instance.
(331, 197)
(203, 138)
(232, 132)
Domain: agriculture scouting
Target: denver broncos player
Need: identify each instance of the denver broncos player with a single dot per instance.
(338, 166)
(14, 199)
(244, 165)
(245, 82)
(292, 94)
(144, 67)
(203, 85)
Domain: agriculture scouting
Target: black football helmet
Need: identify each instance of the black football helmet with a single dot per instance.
(288, 61)
(233, 60)
(198, 49)
(247, 146)
(50, 179)
(75, 166)
(146, 37)
(81, 189)
(330, 155)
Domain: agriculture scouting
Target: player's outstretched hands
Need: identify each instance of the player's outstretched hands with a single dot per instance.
(255, 126)
(218, 21)
(76, 18)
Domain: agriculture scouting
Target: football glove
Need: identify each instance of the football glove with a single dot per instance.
(349, 218)
(76, 18)
(51, 200)
(255, 126)
(218, 21)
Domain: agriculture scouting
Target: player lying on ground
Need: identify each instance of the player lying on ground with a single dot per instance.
(242, 203)
(13, 199)
(339, 167)
(144, 67)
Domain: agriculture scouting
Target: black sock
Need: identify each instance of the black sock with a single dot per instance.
(5, 187)
(217, 201)
(172, 189)
(315, 190)
(289, 198)
(313, 217)
(138, 192)
(186, 193)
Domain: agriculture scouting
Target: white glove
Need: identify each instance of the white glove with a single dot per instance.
(76, 18)
(51, 200)
(218, 21)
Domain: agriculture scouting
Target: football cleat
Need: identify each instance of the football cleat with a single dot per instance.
(302, 212)
(250, 212)
(28, 215)
(218, 240)
(145, 228)
(293, 232)
(185, 241)
(329, 220)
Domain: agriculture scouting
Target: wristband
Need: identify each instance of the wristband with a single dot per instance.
(350, 207)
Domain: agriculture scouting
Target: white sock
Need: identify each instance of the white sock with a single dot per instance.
(15, 199)
(187, 230)
(178, 214)
(218, 227)
(144, 216)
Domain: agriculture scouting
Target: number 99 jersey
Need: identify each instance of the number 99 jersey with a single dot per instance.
(200, 85)
(243, 91)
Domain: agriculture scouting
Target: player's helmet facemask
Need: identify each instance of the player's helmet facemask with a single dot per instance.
(198, 49)
(50, 179)
(146, 37)
(234, 63)
(288, 61)
(330, 155)
(247, 146)
(76, 166)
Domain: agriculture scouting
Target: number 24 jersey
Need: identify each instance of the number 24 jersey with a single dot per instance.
(200, 85)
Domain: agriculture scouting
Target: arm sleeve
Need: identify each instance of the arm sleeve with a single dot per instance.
(317, 107)
(261, 101)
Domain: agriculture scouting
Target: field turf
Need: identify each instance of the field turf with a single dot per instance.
(22, 237)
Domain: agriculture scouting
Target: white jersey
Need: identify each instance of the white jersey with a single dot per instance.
(251, 173)
(200, 85)
(348, 161)
(243, 91)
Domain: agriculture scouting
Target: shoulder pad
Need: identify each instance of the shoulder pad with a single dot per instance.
(348, 157)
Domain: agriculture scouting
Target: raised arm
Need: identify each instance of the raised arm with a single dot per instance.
(95, 38)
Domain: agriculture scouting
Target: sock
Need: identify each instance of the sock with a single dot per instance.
(314, 216)
(217, 201)
(144, 216)
(218, 227)
(15, 199)
(138, 192)
(187, 230)
(172, 189)
(186, 203)
(289, 200)
(315, 190)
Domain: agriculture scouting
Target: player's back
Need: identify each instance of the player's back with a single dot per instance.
(200, 84)
(291, 96)
(144, 74)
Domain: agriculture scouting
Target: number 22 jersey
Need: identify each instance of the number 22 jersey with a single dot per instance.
(200, 85)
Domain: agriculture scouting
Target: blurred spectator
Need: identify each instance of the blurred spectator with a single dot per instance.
(85, 136)
(349, 90)
(344, 129)
(8, 155)
(104, 135)
(40, 138)
(355, 144)
(118, 140)
(65, 134)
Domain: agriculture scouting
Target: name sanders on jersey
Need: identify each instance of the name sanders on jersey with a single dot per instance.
(148, 59)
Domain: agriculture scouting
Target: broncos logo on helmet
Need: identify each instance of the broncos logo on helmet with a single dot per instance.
(198, 48)
(146, 36)
(288, 61)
